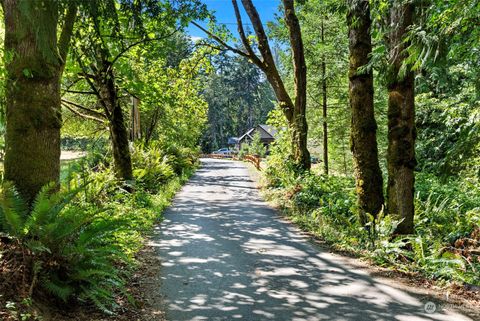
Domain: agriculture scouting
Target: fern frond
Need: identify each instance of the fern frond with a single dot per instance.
(58, 288)
(13, 210)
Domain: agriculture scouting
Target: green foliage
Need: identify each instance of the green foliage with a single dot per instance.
(448, 141)
(446, 222)
(256, 146)
(167, 92)
(152, 168)
(157, 164)
(70, 248)
(238, 98)
(280, 169)
(329, 196)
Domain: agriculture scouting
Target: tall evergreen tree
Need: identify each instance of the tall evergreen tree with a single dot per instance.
(401, 119)
(368, 176)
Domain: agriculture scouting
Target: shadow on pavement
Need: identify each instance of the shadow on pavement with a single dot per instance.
(226, 256)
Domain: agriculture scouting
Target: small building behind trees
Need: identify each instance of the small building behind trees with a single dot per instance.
(267, 135)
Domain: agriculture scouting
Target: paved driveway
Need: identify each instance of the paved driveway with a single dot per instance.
(226, 255)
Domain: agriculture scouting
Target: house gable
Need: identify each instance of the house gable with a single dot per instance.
(266, 134)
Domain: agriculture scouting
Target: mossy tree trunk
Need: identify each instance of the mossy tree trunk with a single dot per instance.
(108, 95)
(299, 125)
(368, 176)
(33, 117)
(401, 121)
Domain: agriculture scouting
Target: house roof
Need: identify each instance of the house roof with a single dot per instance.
(266, 132)
(270, 130)
(232, 140)
(248, 133)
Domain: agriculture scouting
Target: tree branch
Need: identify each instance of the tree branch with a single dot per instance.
(92, 85)
(299, 65)
(80, 92)
(101, 121)
(140, 42)
(66, 35)
(221, 42)
(270, 68)
(263, 45)
(91, 111)
(244, 39)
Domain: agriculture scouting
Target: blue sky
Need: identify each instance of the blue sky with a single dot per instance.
(225, 14)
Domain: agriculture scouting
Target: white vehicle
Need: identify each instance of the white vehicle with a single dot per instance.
(223, 151)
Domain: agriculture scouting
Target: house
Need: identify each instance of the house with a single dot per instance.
(267, 135)
(232, 141)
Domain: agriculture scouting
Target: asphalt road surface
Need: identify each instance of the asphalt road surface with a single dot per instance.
(226, 255)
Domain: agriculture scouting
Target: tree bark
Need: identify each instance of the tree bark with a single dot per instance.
(324, 105)
(300, 126)
(294, 110)
(33, 115)
(368, 176)
(136, 130)
(401, 122)
(108, 94)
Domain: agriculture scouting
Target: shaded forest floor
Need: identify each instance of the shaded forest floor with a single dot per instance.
(142, 286)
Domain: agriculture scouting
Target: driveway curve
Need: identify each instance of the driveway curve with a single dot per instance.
(226, 255)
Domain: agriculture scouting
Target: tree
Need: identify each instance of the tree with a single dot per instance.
(324, 101)
(168, 92)
(245, 101)
(368, 176)
(401, 119)
(110, 31)
(326, 56)
(293, 109)
(256, 146)
(34, 69)
(96, 60)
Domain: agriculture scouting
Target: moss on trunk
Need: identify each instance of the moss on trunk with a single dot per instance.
(105, 82)
(32, 153)
(401, 123)
(368, 176)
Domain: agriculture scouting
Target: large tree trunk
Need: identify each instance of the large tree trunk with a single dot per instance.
(107, 89)
(32, 154)
(401, 122)
(368, 176)
(299, 125)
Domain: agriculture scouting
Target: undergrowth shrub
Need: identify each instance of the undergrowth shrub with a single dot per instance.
(152, 168)
(81, 243)
(157, 164)
(446, 243)
(180, 158)
(67, 251)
